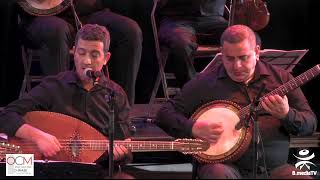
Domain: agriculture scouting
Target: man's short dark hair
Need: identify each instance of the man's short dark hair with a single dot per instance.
(238, 33)
(94, 32)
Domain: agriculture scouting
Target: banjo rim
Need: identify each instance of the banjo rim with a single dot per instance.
(240, 146)
(44, 12)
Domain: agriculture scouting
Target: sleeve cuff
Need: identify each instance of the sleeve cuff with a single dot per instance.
(13, 128)
(289, 116)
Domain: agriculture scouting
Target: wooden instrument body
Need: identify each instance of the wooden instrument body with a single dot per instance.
(66, 128)
(6, 148)
(253, 13)
(82, 143)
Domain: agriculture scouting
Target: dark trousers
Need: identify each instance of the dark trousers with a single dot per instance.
(54, 36)
(180, 38)
(228, 171)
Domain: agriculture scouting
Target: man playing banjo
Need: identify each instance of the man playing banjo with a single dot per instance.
(236, 83)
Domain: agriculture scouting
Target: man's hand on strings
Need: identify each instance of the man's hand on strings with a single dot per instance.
(276, 105)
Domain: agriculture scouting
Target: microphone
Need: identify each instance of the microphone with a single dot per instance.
(91, 73)
(253, 108)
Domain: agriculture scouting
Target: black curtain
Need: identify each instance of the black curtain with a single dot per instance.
(293, 25)
(11, 68)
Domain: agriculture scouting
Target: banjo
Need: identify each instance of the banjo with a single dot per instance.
(44, 7)
(232, 142)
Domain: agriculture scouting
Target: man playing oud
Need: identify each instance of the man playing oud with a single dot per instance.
(75, 94)
(239, 79)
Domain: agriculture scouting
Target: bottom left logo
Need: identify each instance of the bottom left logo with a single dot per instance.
(19, 165)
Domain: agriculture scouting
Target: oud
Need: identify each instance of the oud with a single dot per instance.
(82, 143)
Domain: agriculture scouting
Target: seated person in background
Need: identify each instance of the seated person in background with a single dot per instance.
(74, 94)
(180, 22)
(54, 36)
(239, 79)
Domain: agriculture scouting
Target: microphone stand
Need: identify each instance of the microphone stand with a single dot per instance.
(253, 118)
(76, 17)
(110, 100)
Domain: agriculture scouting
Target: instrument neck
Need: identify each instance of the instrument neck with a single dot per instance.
(134, 146)
(285, 88)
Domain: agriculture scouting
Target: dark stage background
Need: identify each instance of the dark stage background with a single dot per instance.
(292, 26)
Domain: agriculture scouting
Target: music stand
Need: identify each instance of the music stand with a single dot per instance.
(214, 63)
(287, 59)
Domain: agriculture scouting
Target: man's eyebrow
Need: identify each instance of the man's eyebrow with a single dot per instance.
(239, 56)
(95, 51)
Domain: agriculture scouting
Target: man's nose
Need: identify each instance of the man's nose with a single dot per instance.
(237, 63)
(87, 60)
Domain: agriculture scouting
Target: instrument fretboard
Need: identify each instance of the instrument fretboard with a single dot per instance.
(285, 88)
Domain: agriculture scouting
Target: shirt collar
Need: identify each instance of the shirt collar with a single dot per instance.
(261, 70)
(74, 79)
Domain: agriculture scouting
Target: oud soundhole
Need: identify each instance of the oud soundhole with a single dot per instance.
(75, 146)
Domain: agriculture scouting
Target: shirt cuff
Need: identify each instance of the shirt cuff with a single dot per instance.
(13, 128)
(289, 116)
(288, 123)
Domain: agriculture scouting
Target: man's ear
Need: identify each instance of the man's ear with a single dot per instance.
(107, 58)
(73, 50)
(257, 51)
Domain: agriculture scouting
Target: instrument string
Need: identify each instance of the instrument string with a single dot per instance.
(285, 88)
(103, 144)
